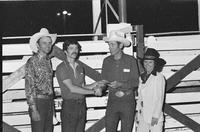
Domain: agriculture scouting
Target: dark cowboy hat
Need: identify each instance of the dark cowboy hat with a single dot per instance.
(151, 54)
(161, 61)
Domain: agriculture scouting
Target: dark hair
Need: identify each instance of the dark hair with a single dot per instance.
(71, 42)
(159, 63)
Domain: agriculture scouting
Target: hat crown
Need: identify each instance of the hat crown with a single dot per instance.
(44, 30)
(116, 34)
(152, 52)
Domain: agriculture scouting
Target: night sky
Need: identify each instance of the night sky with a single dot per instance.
(26, 18)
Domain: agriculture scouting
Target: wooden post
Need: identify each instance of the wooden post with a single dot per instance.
(140, 46)
(198, 2)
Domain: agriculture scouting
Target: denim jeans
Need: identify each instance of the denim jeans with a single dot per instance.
(45, 109)
(73, 115)
(120, 109)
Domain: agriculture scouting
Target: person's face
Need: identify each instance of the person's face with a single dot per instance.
(45, 44)
(149, 65)
(72, 51)
(114, 47)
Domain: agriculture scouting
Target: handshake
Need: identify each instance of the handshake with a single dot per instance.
(100, 87)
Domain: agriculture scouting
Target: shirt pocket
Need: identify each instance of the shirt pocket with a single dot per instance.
(125, 74)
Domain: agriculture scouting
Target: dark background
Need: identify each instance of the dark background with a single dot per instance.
(26, 18)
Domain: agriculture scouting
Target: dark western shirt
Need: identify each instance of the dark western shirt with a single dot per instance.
(124, 70)
(38, 78)
(65, 71)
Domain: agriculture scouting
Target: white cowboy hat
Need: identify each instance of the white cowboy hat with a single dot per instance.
(117, 36)
(43, 32)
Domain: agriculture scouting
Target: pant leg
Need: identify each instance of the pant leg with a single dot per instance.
(49, 116)
(43, 105)
(127, 115)
(112, 117)
(82, 117)
(68, 117)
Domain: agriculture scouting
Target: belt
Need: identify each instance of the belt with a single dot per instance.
(44, 96)
(122, 93)
(75, 100)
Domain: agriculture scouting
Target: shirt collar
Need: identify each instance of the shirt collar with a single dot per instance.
(120, 58)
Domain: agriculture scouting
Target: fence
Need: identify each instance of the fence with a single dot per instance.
(176, 50)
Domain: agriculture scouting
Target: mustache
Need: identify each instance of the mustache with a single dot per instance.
(75, 53)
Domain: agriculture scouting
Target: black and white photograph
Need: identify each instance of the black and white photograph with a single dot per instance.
(100, 65)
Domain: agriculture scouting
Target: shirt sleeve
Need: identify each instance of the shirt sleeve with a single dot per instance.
(104, 71)
(30, 83)
(61, 72)
(160, 90)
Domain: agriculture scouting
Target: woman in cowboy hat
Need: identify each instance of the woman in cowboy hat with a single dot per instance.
(38, 82)
(150, 94)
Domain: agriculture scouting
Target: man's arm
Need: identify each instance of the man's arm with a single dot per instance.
(76, 89)
(58, 53)
(90, 86)
(30, 90)
(29, 83)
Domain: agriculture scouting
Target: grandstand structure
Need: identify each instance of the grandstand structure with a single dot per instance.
(181, 50)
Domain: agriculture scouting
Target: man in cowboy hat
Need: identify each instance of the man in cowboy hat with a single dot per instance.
(38, 82)
(120, 74)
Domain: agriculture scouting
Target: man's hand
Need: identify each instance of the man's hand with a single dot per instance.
(115, 84)
(102, 83)
(35, 114)
(98, 92)
(154, 121)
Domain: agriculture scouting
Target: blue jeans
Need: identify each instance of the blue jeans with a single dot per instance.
(45, 109)
(73, 115)
(120, 109)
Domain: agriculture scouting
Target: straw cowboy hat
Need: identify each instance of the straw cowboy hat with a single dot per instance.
(117, 36)
(43, 32)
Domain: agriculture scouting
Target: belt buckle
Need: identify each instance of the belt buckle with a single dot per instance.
(119, 94)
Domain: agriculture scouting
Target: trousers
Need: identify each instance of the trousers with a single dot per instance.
(45, 109)
(73, 115)
(120, 109)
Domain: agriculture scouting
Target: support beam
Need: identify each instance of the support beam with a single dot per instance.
(97, 127)
(122, 11)
(96, 11)
(181, 118)
(13, 78)
(182, 73)
(8, 128)
(198, 2)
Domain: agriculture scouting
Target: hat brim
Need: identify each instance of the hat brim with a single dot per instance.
(36, 37)
(124, 41)
(148, 57)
